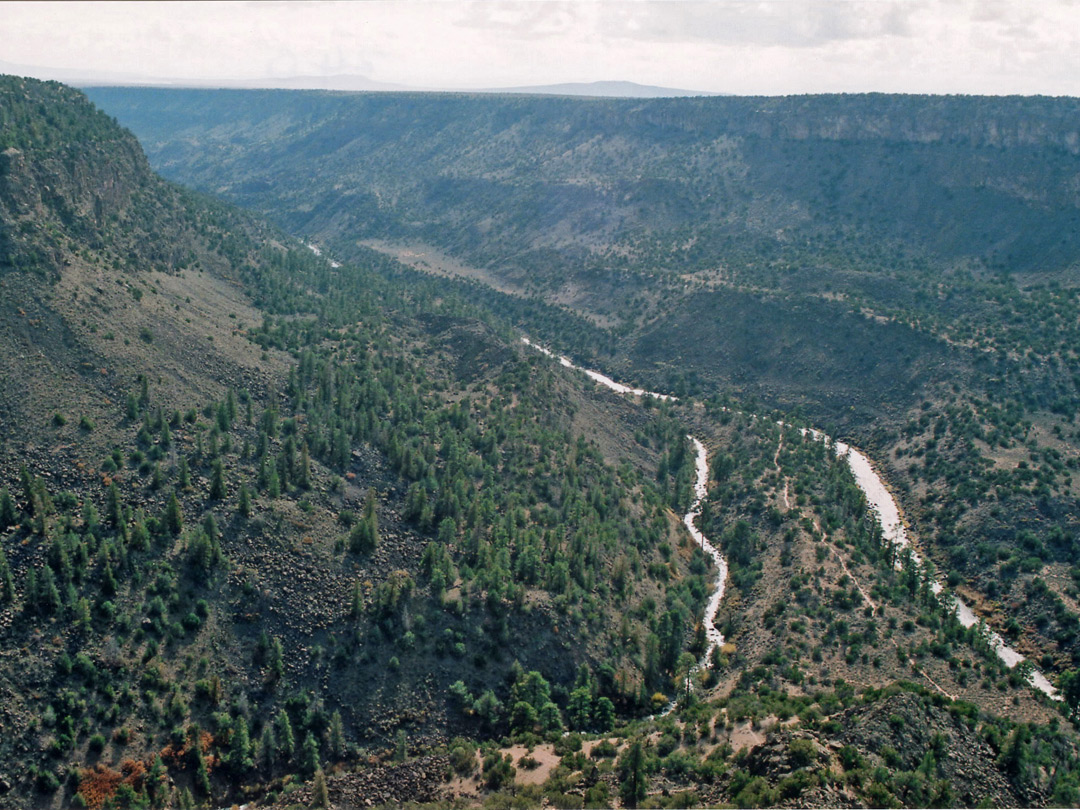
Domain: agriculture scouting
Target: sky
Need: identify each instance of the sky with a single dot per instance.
(771, 47)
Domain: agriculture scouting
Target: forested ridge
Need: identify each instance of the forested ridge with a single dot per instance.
(242, 586)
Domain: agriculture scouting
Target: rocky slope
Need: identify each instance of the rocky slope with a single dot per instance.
(248, 497)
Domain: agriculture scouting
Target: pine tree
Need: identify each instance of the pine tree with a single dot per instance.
(267, 748)
(155, 781)
(309, 760)
(364, 537)
(275, 659)
(357, 607)
(48, 596)
(30, 590)
(303, 474)
(337, 735)
(113, 508)
(244, 505)
(273, 483)
(240, 747)
(320, 797)
(202, 774)
(174, 519)
(108, 580)
(286, 743)
(217, 481)
(8, 512)
(140, 537)
(7, 582)
(210, 529)
(632, 785)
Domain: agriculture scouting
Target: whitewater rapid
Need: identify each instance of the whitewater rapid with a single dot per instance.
(878, 498)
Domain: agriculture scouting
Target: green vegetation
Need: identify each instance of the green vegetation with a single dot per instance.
(362, 541)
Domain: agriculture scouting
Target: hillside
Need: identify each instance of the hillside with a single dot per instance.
(938, 214)
(897, 270)
(281, 530)
(260, 510)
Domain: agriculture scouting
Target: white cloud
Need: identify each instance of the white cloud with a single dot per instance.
(738, 46)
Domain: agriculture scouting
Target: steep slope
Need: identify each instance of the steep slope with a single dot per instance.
(261, 512)
(934, 213)
(897, 270)
(628, 174)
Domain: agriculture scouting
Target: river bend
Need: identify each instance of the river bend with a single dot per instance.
(877, 496)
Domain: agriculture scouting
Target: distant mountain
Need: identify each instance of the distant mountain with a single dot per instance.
(78, 76)
(345, 82)
(602, 89)
(348, 82)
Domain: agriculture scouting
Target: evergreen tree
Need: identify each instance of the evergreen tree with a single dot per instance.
(275, 660)
(273, 483)
(8, 512)
(7, 582)
(202, 773)
(48, 596)
(303, 473)
(140, 537)
(286, 743)
(240, 747)
(156, 778)
(604, 715)
(579, 710)
(217, 481)
(1069, 684)
(337, 735)
(320, 797)
(309, 757)
(108, 580)
(364, 537)
(174, 519)
(632, 784)
(210, 529)
(113, 507)
(267, 748)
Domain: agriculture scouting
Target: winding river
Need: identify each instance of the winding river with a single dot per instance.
(877, 496)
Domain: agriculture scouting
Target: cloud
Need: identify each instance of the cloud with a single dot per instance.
(755, 23)
(738, 46)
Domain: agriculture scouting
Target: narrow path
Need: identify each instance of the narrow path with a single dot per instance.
(780, 472)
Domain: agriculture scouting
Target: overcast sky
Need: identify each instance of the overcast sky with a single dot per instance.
(728, 46)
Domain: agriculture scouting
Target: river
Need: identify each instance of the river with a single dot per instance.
(877, 496)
